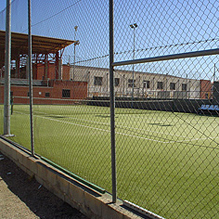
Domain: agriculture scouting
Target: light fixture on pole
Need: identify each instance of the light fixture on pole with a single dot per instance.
(76, 42)
(133, 26)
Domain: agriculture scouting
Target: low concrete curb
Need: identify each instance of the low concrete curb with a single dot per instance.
(87, 200)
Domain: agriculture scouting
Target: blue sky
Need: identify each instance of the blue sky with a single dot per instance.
(2, 4)
(164, 27)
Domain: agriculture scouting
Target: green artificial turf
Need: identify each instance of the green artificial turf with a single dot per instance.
(166, 162)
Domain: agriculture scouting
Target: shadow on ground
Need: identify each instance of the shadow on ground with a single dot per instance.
(38, 199)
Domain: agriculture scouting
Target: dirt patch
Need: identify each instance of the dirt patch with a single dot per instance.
(23, 197)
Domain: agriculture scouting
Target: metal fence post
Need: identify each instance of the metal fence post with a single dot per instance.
(30, 76)
(112, 103)
(7, 70)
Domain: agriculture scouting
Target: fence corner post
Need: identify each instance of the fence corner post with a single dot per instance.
(112, 103)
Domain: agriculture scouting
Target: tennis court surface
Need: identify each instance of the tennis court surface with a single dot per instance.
(165, 160)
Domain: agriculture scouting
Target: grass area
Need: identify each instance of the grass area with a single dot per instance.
(166, 162)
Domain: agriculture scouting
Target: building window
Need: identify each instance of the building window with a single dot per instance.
(116, 82)
(206, 95)
(159, 85)
(184, 87)
(47, 94)
(146, 84)
(98, 81)
(65, 93)
(172, 86)
(28, 94)
(130, 83)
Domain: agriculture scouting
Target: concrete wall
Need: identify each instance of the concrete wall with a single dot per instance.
(87, 200)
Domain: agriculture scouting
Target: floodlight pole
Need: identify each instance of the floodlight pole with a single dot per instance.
(133, 26)
(30, 77)
(214, 72)
(7, 82)
(75, 44)
(112, 103)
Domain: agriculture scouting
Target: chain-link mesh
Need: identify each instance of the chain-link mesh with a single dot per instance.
(68, 130)
(166, 112)
(167, 149)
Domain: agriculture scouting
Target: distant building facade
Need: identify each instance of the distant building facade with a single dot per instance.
(86, 82)
(146, 84)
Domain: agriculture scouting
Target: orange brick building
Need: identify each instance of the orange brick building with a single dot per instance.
(57, 92)
(41, 72)
(51, 79)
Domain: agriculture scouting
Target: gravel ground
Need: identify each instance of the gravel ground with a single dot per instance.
(23, 197)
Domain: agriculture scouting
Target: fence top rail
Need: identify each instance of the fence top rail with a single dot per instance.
(168, 57)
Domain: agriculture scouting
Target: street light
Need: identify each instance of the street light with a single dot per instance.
(133, 26)
(76, 42)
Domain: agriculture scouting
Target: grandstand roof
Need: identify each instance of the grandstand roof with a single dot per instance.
(40, 45)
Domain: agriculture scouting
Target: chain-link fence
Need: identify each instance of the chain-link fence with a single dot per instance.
(165, 90)
(169, 156)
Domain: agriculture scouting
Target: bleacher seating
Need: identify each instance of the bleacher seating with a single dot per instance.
(212, 109)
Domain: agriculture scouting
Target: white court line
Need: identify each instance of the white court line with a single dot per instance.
(119, 126)
(104, 130)
(120, 133)
(100, 123)
(194, 139)
(151, 131)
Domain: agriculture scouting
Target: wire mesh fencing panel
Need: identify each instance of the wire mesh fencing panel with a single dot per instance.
(166, 128)
(70, 68)
(19, 98)
(69, 130)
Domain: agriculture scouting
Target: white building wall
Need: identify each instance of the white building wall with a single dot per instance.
(124, 86)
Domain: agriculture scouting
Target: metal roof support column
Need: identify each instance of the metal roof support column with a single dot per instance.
(57, 65)
(18, 66)
(46, 67)
(60, 68)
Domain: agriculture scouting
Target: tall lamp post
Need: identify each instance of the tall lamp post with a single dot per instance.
(76, 42)
(133, 26)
